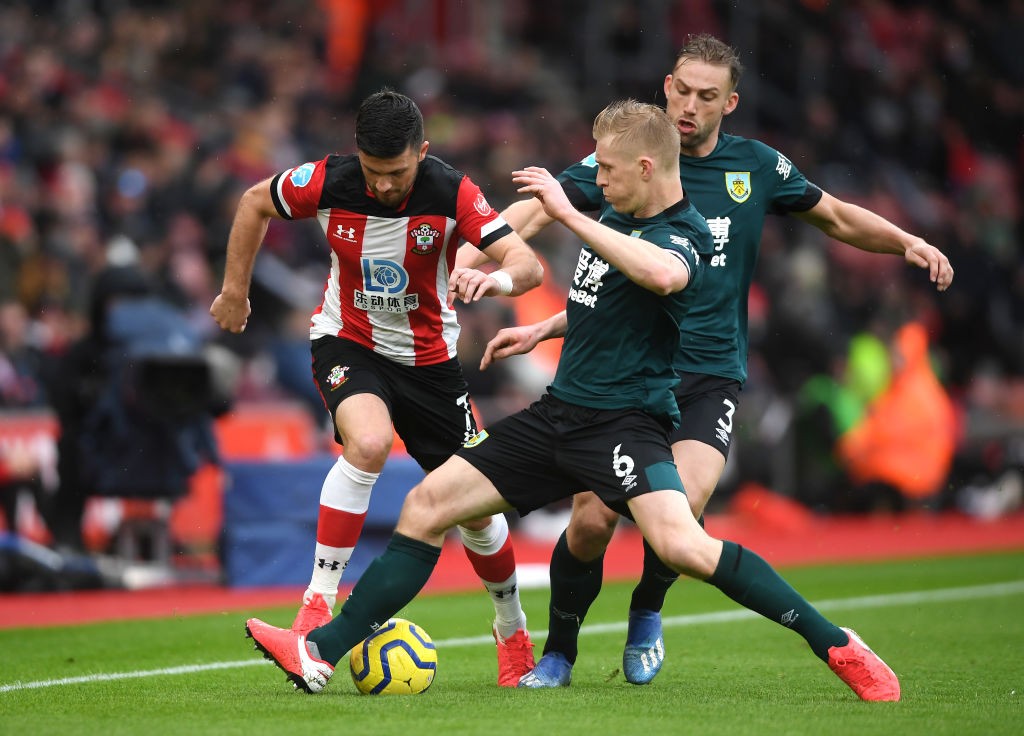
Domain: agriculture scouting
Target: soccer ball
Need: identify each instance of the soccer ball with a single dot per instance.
(399, 658)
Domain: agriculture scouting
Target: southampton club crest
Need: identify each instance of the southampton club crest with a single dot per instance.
(337, 376)
(424, 239)
(737, 183)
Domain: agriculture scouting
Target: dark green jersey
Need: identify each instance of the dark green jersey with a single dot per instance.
(734, 188)
(621, 338)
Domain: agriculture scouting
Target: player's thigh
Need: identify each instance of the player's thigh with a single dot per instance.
(432, 411)
(707, 407)
(518, 455)
(363, 421)
(450, 494)
(700, 467)
(618, 454)
(353, 383)
(667, 523)
(701, 442)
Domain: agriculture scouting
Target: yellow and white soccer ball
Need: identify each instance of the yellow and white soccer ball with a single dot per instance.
(399, 658)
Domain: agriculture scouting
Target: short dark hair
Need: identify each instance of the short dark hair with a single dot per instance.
(705, 47)
(387, 124)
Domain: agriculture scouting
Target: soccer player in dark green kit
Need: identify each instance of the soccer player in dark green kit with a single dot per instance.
(735, 183)
(603, 424)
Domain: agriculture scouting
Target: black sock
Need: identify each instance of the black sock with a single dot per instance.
(574, 587)
(657, 578)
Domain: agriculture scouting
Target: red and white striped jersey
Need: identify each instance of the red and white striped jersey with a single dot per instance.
(388, 285)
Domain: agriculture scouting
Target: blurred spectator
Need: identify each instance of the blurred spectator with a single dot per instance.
(21, 363)
(900, 453)
(142, 124)
(134, 400)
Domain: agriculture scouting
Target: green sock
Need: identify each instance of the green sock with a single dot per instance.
(656, 579)
(574, 586)
(387, 585)
(750, 581)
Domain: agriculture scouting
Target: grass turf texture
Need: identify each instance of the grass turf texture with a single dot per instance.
(958, 657)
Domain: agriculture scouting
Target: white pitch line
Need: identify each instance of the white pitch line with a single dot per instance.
(994, 590)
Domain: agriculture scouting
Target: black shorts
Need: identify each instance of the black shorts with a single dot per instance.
(429, 405)
(708, 406)
(552, 449)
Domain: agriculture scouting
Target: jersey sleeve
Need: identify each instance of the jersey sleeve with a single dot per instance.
(681, 243)
(579, 182)
(477, 222)
(296, 192)
(790, 189)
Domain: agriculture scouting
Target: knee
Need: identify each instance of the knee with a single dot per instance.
(693, 555)
(590, 529)
(420, 517)
(369, 450)
(698, 491)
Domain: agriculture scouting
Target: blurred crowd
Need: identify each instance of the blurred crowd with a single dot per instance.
(128, 131)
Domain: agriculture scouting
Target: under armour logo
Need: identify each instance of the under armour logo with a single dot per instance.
(333, 564)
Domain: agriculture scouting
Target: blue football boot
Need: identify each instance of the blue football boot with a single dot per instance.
(552, 670)
(645, 647)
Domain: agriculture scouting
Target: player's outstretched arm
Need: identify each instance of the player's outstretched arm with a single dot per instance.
(230, 309)
(522, 339)
(644, 263)
(868, 231)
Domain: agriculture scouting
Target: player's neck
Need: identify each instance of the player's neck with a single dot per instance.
(702, 149)
(662, 196)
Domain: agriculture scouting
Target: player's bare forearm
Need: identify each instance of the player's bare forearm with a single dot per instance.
(868, 231)
(527, 217)
(231, 307)
(519, 271)
(644, 263)
(522, 339)
(520, 262)
(469, 256)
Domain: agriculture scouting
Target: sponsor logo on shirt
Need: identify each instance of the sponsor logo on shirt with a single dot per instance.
(587, 279)
(384, 284)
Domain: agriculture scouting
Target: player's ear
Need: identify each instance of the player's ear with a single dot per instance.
(731, 103)
(423, 150)
(646, 167)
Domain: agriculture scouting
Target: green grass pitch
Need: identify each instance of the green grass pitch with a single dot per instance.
(952, 628)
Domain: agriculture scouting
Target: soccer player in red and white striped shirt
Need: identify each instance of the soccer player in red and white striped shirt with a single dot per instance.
(384, 336)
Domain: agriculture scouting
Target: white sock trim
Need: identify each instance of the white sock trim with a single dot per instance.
(347, 488)
(488, 540)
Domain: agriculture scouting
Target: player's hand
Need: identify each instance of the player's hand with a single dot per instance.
(541, 184)
(231, 313)
(470, 285)
(509, 341)
(923, 255)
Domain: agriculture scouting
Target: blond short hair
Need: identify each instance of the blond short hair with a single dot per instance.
(641, 128)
